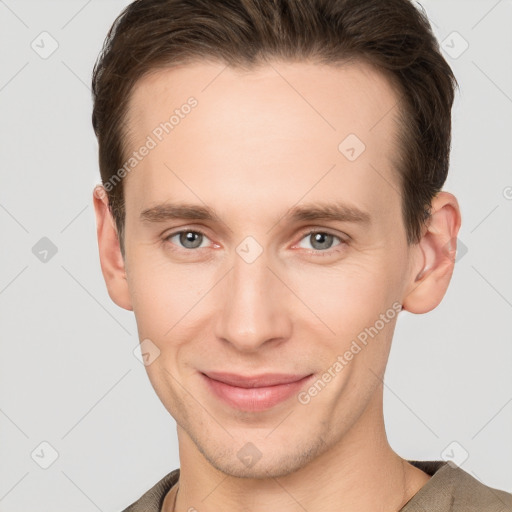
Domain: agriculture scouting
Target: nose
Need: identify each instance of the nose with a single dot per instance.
(252, 306)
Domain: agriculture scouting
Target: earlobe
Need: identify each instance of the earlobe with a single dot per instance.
(436, 256)
(111, 259)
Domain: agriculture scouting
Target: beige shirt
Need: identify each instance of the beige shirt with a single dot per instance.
(450, 489)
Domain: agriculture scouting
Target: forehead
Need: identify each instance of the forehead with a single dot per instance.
(281, 131)
(350, 96)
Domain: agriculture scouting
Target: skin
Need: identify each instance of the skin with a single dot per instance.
(257, 144)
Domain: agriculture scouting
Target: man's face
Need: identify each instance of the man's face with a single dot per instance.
(253, 292)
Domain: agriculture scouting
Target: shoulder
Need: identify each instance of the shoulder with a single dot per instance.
(151, 500)
(471, 494)
(452, 489)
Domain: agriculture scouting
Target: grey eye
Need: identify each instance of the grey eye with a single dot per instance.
(188, 239)
(320, 241)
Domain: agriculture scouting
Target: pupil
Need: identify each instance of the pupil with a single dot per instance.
(190, 237)
(323, 239)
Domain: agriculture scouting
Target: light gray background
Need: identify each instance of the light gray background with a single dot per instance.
(68, 375)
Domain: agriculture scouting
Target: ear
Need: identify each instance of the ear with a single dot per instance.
(432, 272)
(111, 259)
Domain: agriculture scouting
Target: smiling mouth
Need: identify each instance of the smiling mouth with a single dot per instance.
(254, 394)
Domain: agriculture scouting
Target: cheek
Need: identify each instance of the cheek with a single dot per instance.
(345, 298)
(163, 293)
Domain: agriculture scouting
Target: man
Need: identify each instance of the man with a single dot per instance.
(271, 200)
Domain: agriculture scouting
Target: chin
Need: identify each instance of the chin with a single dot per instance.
(249, 462)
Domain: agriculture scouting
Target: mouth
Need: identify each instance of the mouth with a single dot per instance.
(254, 394)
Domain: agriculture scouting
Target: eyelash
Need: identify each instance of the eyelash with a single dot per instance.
(324, 253)
(328, 252)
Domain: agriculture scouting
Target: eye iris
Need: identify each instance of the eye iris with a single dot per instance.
(321, 238)
(190, 237)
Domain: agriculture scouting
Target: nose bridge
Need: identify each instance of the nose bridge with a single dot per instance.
(251, 310)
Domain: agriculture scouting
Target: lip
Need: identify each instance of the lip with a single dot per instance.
(254, 393)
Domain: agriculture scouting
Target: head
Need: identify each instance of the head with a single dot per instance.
(272, 199)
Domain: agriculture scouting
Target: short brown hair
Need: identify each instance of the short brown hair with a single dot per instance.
(392, 35)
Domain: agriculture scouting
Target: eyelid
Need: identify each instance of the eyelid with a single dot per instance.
(337, 248)
(166, 237)
(309, 231)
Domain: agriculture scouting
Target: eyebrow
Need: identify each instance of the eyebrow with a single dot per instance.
(327, 212)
